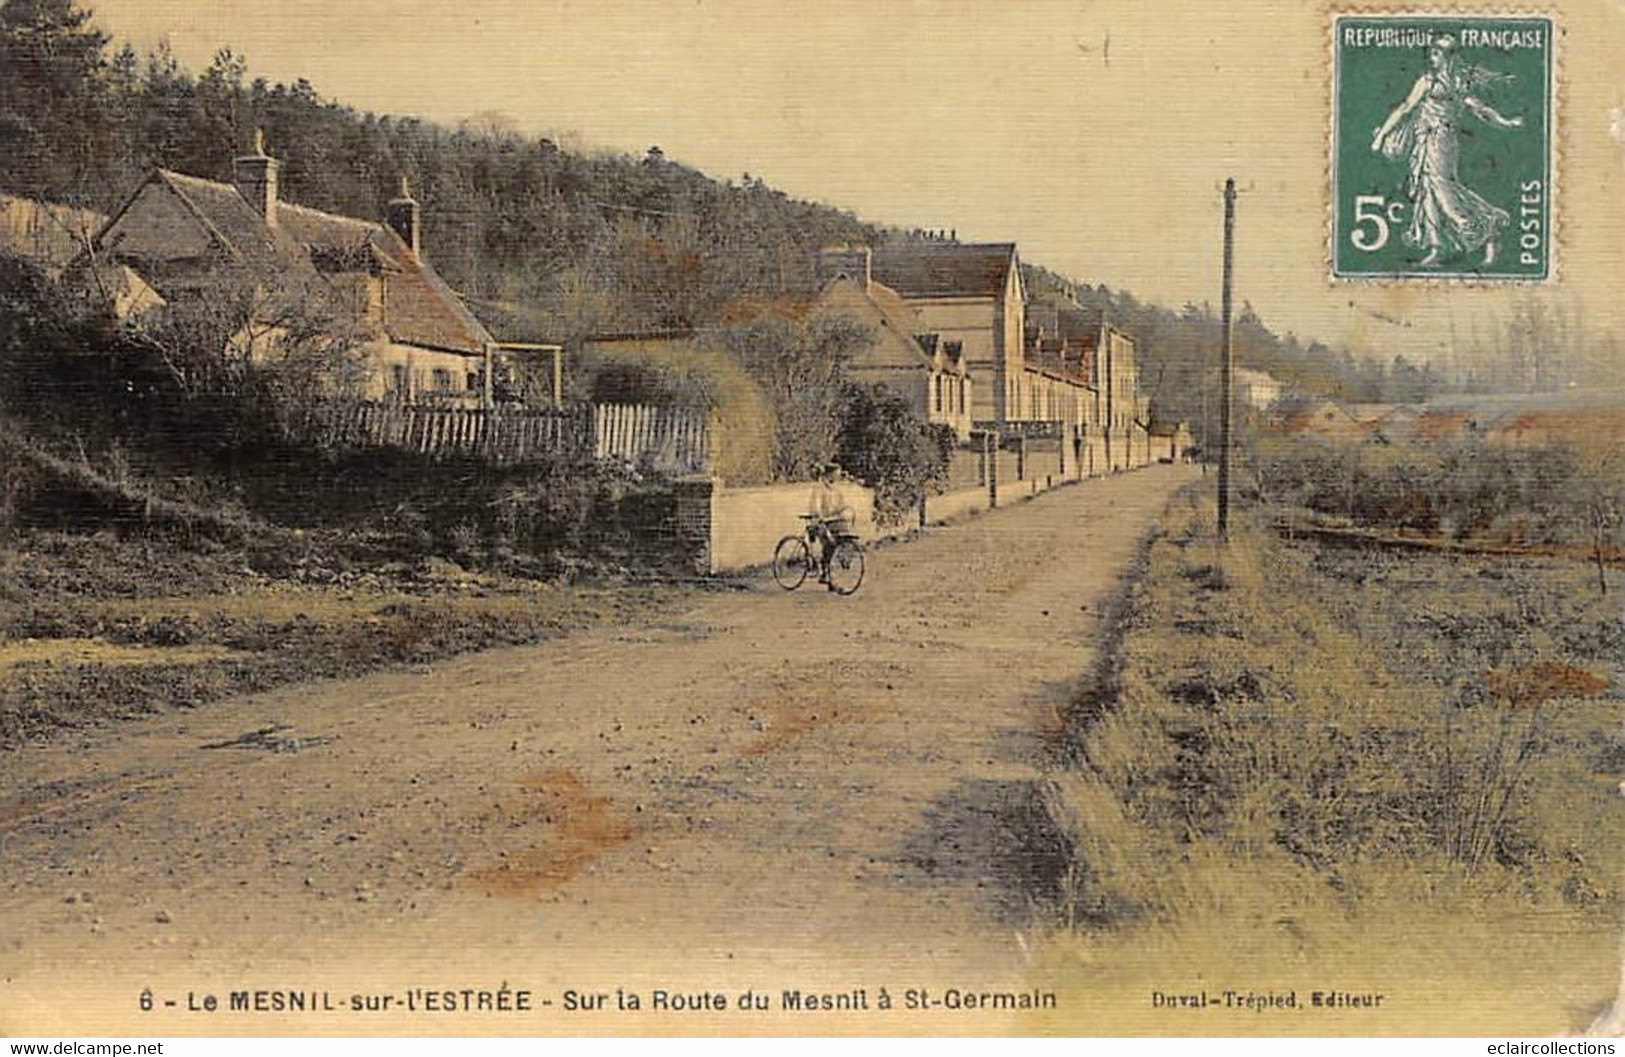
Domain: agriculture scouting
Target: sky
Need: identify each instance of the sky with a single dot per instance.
(1096, 134)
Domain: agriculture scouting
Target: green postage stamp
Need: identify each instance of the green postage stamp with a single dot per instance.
(1441, 158)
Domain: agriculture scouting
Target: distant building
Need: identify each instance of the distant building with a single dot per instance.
(971, 294)
(1256, 389)
(1326, 419)
(1171, 441)
(932, 374)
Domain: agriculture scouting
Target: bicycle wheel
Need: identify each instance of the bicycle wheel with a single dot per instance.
(846, 567)
(792, 560)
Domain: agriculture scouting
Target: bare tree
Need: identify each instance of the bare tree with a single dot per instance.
(285, 347)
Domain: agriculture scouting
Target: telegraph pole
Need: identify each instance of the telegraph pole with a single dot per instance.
(1227, 364)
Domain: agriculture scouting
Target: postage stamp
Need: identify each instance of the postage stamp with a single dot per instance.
(1441, 155)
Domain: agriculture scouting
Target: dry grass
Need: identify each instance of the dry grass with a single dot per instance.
(82, 643)
(1360, 762)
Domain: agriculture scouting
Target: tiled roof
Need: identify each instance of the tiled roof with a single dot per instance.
(895, 323)
(945, 269)
(228, 217)
(1081, 324)
(51, 235)
(418, 307)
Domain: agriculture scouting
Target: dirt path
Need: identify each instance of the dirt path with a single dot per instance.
(773, 791)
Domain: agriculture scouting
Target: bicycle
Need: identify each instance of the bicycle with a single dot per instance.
(794, 558)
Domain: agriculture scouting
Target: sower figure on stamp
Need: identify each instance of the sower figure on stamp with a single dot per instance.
(1446, 215)
(831, 517)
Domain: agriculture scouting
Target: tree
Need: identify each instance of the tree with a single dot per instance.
(253, 355)
(1595, 498)
(801, 367)
(54, 134)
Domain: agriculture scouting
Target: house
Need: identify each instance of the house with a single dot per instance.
(184, 234)
(1392, 426)
(1083, 370)
(1055, 389)
(1326, 419)
(45, 233)
(1114, 375)
(1256, 389)
(972, 294)
(1171, 441)
(932, 374)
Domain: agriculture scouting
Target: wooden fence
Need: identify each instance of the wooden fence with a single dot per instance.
(673, 439)
(667, 439)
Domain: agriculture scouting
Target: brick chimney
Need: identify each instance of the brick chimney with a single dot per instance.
(256, 178)
(850, 261)
(402, 215)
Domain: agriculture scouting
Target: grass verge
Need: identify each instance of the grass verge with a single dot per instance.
(1309, 763)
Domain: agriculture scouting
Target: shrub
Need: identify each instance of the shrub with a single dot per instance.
(706, 377)
(799, 365)
(883, 443)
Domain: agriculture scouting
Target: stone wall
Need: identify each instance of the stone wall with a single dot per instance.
(732, 529)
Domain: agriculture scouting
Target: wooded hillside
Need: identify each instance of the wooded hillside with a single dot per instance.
(548, 243)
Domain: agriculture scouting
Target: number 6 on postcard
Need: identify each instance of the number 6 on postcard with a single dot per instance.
(1441, 160)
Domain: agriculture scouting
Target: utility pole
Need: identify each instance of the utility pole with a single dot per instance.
(1228, 364)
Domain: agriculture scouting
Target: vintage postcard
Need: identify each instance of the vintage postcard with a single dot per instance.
(1091, 518)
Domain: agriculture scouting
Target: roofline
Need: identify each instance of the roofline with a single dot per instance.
(926, 244)
(654, 335)
(437, 348)
(946, 297)
(118, 213)
(164, 176)
(161, 176)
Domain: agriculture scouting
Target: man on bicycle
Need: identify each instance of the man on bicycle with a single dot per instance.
(830, 517)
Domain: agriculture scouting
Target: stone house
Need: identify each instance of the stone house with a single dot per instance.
(972, 294)
(183, 234)
(1170, 441)
(1326, 419)
(1113, 435)
(1122, 411)
(932, 374)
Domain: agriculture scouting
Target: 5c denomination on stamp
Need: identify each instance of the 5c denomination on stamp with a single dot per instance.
(1441, 154)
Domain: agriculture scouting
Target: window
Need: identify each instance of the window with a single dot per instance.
(397, 380)
(473, 381)
(938, 380)
(442, 380)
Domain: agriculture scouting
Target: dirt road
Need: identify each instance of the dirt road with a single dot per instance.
(770, 791)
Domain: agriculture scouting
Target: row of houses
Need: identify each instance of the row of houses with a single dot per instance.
(988, 357)
(956, 335)
(954, 329)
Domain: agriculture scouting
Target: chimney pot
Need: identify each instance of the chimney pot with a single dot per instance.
(854, 262)
(404, 218)
(255, 176)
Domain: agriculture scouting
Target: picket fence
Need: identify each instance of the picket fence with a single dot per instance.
(665, 439)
